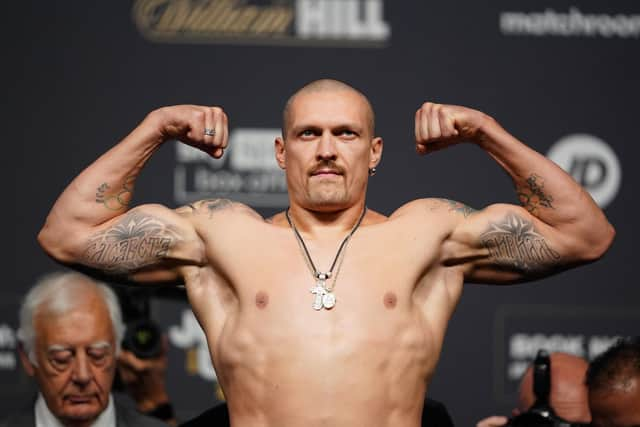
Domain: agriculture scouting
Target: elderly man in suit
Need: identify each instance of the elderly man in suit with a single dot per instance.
(70, 333)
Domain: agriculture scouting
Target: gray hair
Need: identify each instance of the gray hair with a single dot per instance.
(58, 293)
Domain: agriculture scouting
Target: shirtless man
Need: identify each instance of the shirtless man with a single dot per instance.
(287, 354)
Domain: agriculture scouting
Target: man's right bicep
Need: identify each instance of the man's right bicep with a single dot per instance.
(148, 238)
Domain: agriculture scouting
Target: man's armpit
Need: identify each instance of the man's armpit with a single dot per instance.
(137, 240)
(514, 243)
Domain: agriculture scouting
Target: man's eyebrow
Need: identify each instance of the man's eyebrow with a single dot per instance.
(100, 345)
(302, 126)
(341, 125)
(350, 126)
(57, 347)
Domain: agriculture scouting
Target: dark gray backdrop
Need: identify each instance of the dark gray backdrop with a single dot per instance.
(80, 75)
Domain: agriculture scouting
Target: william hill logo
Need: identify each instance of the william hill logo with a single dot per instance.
(346, 23)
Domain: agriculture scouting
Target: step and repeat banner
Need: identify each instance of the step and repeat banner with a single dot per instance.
(563, 76)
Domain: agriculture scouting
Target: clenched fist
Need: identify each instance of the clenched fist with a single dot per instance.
(437, 126)
(205, 128)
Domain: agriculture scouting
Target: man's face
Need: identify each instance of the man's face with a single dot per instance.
(618, 407)
(328, 149)
(76, 360)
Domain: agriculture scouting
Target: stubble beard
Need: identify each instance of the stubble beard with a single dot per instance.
(327, 195)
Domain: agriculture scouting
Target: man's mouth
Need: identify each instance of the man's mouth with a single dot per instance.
(326, 172)
(79, 400)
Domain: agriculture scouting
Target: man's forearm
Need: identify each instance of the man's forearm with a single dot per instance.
(104, 189)
(543, 188)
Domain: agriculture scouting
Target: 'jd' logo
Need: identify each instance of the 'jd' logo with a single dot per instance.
(591, 162)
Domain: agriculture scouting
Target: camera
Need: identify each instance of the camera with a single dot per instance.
(142, 336)
(541, 414)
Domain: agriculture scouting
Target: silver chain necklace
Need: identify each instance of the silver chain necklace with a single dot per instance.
(323, 295)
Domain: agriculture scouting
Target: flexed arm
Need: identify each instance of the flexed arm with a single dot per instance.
(558, 225)
(91, 224)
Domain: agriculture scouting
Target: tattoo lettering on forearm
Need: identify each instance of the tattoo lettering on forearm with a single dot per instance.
(514, 243)
(115, 201)
(136, 241)
(458, 207)
(532, 196)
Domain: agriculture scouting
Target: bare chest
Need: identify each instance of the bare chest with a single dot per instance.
(364, 301)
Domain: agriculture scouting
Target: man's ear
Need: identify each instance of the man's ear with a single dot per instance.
(280, 152)
(26, 363)
(376, 152)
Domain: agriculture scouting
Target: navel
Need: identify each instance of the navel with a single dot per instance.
(262, 299)
(390, 300)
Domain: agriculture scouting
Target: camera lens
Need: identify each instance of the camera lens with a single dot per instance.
(143, 339)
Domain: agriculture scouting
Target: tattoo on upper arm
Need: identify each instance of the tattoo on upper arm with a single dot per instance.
(458, 207)
(515, 243)
(115, 200)
(532, 195)
(137, 240)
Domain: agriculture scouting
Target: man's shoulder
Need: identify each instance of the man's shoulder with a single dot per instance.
(433, 207)
(24, 418)
(212, 209)
(129, 417)
(217, 415)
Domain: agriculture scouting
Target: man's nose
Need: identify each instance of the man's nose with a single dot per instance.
(82, 373)
(326, 149)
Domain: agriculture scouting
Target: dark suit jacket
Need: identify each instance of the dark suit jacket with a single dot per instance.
(435, 414)
(125, 417)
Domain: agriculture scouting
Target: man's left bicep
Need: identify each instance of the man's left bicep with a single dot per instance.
(508, 244)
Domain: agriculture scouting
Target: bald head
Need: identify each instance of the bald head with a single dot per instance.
(614, 385)
(568, 395)
(325, 86)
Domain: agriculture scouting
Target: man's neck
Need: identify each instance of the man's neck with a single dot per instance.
(325, 224)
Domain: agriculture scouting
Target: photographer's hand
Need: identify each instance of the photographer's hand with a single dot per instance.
(144, 380)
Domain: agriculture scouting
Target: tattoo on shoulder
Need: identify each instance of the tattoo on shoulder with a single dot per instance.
(118, 199)
(458, 207)
(210, 206)
(532, 194)
(514, 243)
(137, 240)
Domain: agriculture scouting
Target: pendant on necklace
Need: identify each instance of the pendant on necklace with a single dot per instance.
(328, 300)
(324, 298)
(319, 291)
